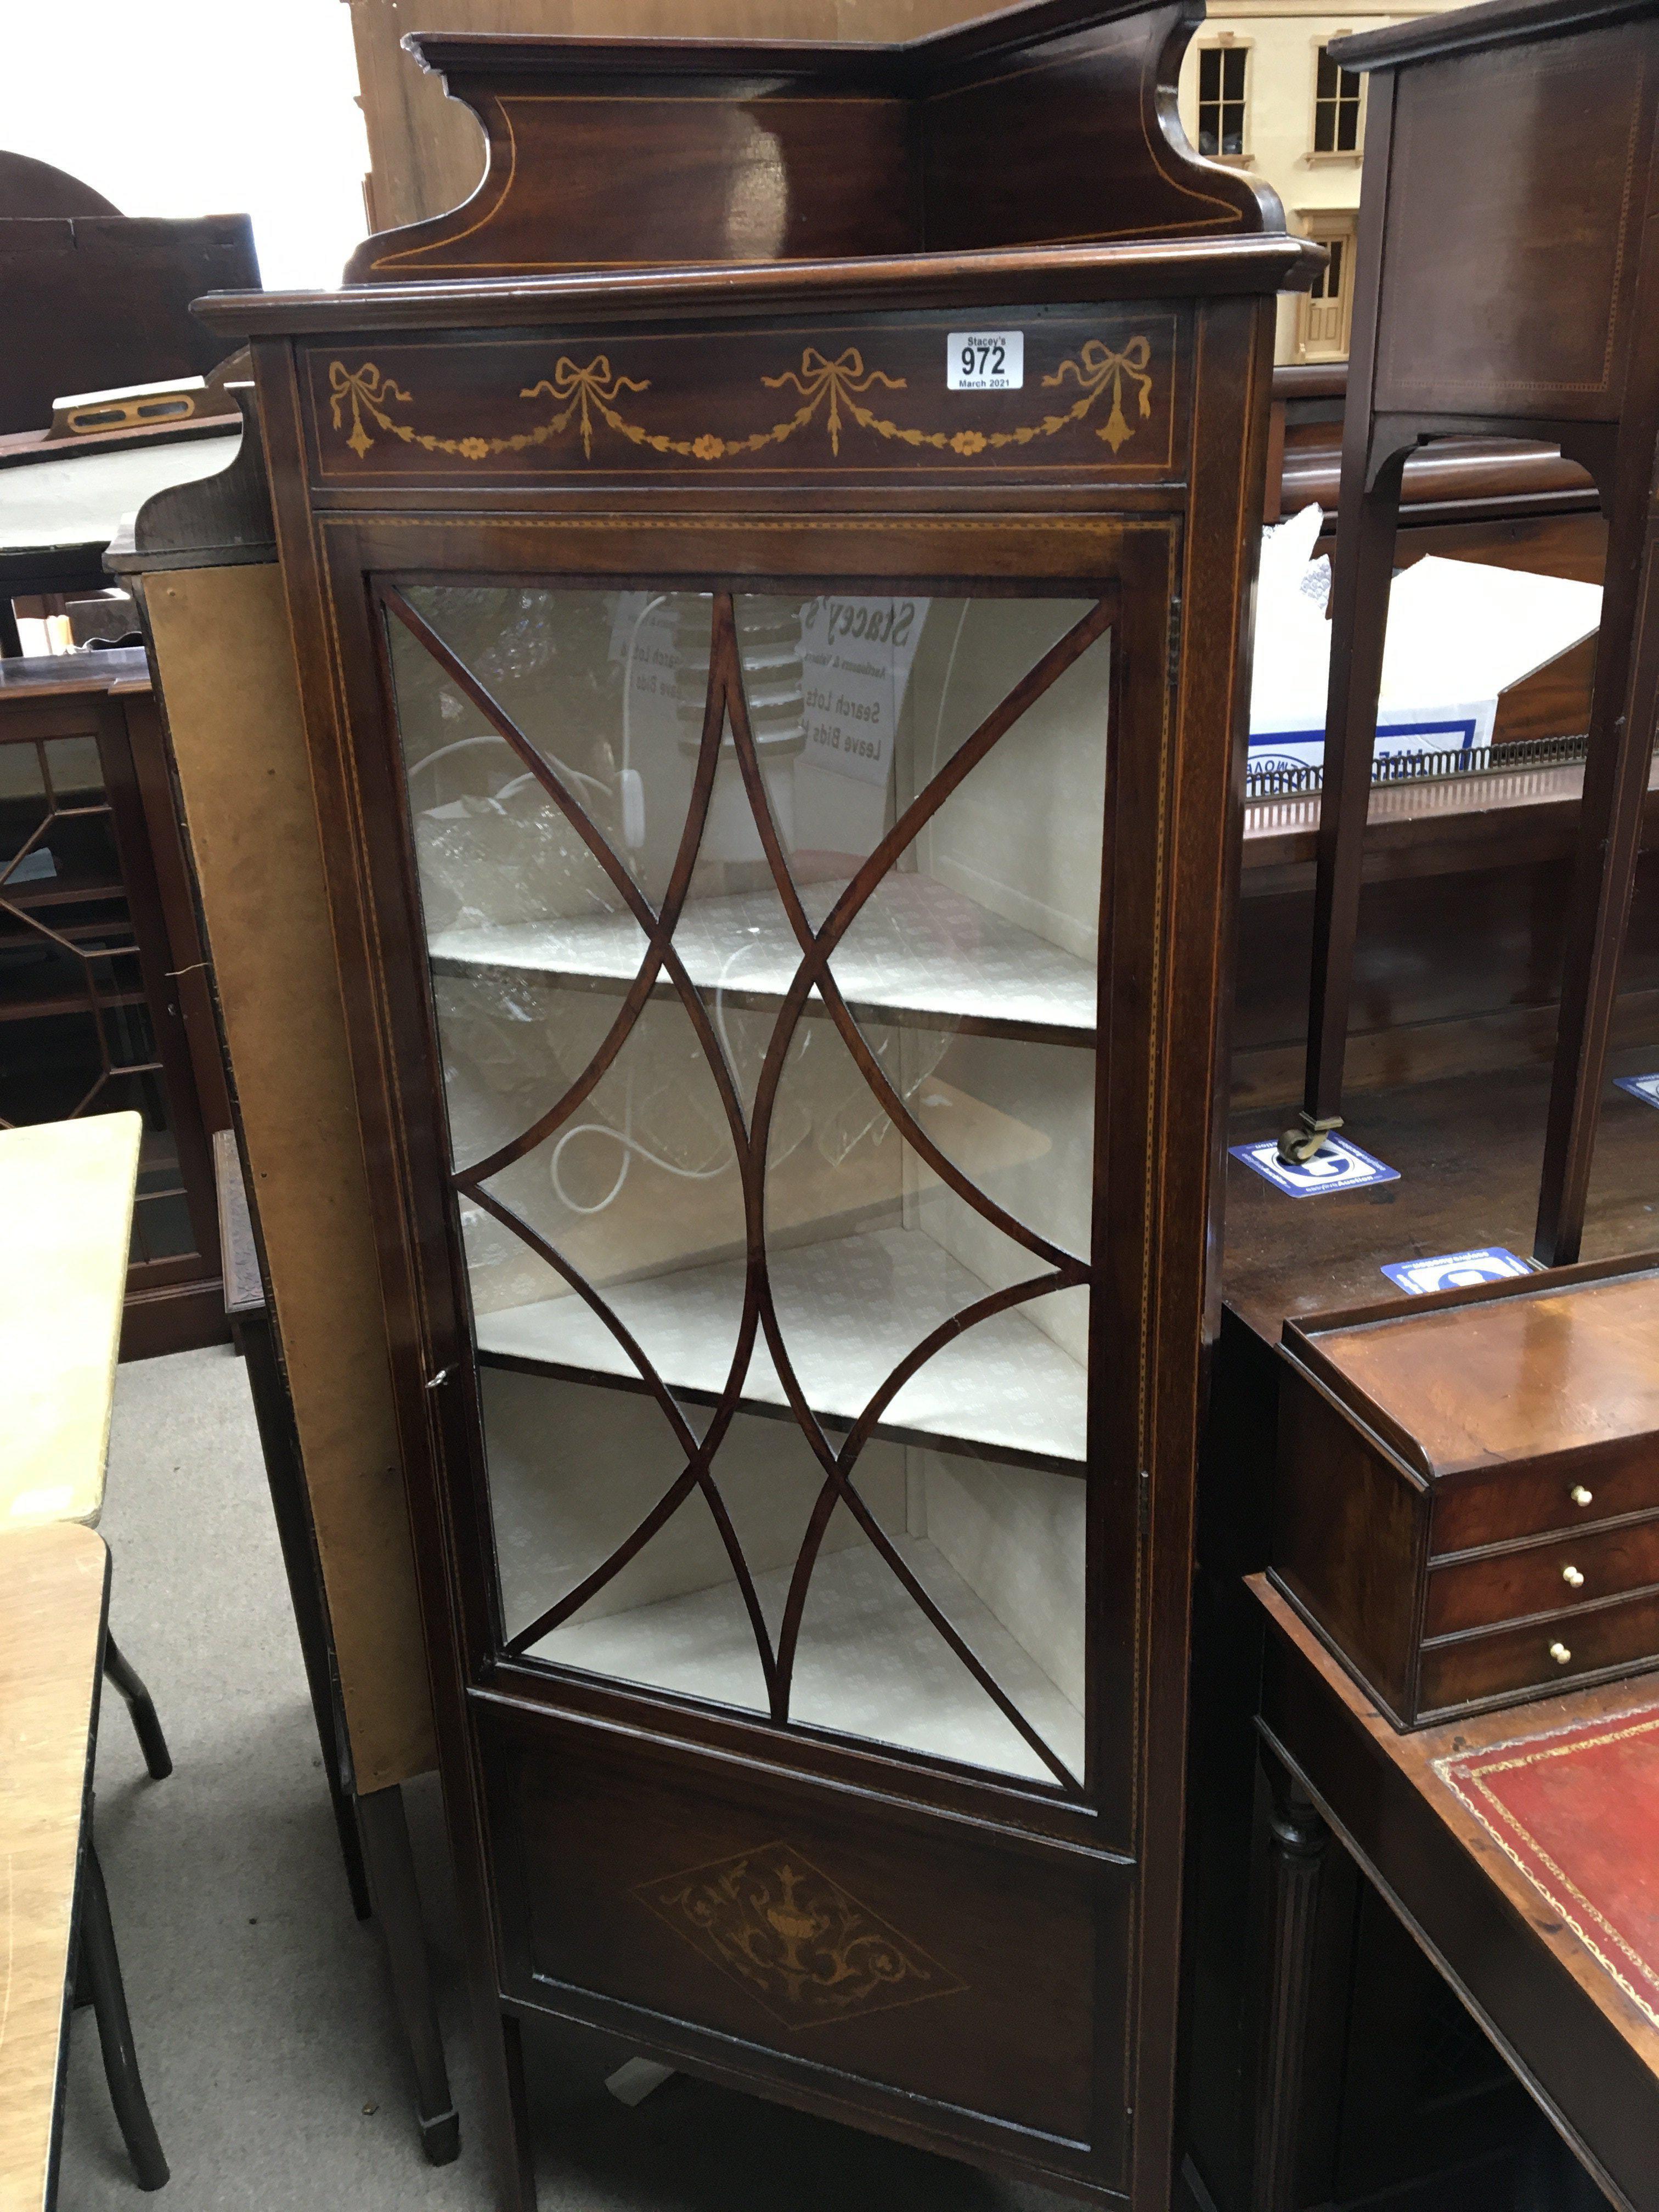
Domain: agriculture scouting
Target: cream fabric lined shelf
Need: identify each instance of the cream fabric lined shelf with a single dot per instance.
(870, 1662)
(850, 1309)
(919, 952)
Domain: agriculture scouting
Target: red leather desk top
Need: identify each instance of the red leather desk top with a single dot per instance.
(1521, 1849)
(1575, 1808)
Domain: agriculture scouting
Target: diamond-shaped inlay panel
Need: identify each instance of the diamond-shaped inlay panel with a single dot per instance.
(799, 1943)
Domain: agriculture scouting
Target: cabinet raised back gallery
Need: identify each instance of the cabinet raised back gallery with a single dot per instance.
(776, 726)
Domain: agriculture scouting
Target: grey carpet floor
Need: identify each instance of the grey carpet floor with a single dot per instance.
(260, 2005)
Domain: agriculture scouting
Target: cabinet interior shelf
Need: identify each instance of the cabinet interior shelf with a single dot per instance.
(850, 1310)
(918, 954)
(58, 891)
(869, 1664)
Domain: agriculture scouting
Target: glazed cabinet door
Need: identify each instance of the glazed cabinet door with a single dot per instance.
(762, 931)
(762, 981)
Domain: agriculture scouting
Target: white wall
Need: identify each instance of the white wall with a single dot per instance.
(194, 107)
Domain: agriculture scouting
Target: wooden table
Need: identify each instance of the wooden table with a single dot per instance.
(66, 1203)
(54, 1590)
(66, 1198)
(1562, 1981)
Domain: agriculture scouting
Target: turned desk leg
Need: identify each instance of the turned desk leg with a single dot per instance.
(396, 1900)
(1289, 1912)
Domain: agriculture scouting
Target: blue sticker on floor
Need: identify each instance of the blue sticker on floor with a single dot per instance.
(1450, 1271)
(1644, 1087)
(1339, 1166)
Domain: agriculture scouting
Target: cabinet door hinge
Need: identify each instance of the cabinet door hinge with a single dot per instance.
(1144, 1506)
(1175, 643)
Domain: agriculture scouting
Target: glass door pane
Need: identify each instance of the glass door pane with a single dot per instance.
(764, 937)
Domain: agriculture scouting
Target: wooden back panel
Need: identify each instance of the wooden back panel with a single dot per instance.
(1052, 122)
(1071, 135)
(760, 162)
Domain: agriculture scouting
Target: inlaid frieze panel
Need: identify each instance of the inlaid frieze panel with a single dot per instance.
(1080, 395)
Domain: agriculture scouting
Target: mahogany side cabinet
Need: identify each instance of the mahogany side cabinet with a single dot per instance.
(777, 726)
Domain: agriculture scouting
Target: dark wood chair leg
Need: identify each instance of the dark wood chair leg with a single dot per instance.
(397, 1901)
(1297, 1845)
(142, 1706)
(102, 1968)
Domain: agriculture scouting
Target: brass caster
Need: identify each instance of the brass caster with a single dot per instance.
(1298, 1146)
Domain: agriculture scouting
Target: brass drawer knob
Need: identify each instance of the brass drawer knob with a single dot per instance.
(1572, 1577)
(1560, 1654)
(1579, 1495)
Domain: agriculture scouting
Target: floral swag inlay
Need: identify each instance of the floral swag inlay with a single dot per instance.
(831, 388)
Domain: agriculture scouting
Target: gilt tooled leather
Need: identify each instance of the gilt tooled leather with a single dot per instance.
(1577, 1810)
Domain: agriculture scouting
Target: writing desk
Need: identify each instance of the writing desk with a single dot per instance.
(54, 1589)
(1516, 1848)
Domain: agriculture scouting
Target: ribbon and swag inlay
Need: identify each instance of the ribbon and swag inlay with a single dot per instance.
(584, 397)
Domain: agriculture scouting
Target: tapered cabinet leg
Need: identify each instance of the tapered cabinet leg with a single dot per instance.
(1288, 1918)
(514, 2162)
(101, 1969)
(1609, 840)
(390, 1866)
(284, 1473)
(1361, 573)
(142, 1706)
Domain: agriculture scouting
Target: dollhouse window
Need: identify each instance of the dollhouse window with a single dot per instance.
(1336, 107)
(1222, 99)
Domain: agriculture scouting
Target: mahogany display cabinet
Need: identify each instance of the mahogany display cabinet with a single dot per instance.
(778, 734)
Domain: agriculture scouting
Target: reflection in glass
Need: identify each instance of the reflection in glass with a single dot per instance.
(638, 1188)
(843, 1184)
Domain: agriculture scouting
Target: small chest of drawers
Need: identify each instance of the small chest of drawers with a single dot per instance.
(1468, 1501)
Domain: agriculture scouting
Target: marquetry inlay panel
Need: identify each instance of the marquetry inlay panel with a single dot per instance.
(1098, 398)
(802, 1945)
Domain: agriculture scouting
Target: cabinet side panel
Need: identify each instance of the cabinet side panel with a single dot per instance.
(253, 835)
(1516, 180)
(1346, 1537)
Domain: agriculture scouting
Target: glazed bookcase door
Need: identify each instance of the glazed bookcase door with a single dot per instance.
(762, 928)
